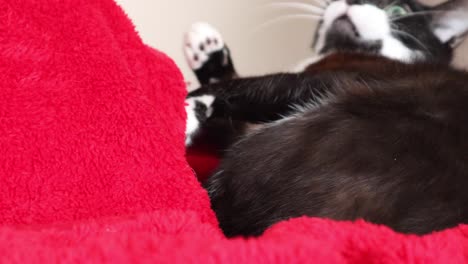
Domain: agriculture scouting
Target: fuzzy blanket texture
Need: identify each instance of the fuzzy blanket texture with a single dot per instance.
(92, 165)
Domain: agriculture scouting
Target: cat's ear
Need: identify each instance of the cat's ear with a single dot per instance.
(450, 21)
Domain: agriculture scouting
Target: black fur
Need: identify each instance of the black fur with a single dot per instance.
(219, 67)
(389, 147)
(364, 137)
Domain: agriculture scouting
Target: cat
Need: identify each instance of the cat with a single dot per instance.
(375, 130)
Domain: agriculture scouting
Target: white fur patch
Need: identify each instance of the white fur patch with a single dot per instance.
(452, 25)
(379, 29)
(199, 42)
(334, 11)
(193, 124)
(394, 49)
(370, 21)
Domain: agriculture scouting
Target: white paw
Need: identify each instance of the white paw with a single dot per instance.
(200, 42)
(198, 110)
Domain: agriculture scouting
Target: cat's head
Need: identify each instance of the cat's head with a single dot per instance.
(399, 29)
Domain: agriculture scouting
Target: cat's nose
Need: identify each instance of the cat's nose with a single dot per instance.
(344, 27)
(342, 35)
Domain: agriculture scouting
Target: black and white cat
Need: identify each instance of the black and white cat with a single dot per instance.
(376, 130)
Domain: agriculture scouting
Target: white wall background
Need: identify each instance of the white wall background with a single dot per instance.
(161, 24)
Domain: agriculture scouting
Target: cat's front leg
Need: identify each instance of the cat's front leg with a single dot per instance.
(208, 55)
(253, 100)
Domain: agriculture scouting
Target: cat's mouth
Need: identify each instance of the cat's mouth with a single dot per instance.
(344, 26)
(344, 36)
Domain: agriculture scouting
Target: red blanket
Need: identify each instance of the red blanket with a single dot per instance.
(92, 165)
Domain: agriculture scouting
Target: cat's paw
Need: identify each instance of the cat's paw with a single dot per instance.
(208, 55)
(198, 109)
(201, 41)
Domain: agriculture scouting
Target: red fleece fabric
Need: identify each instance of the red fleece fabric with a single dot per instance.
(92, 165)
(204, 160)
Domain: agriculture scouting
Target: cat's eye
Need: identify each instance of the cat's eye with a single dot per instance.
(396, 11)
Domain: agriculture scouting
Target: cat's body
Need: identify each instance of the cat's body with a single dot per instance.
(355, 136)
(395, 153)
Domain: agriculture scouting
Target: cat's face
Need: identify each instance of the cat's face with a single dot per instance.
(399, 29)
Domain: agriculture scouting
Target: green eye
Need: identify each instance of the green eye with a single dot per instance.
(396, 11)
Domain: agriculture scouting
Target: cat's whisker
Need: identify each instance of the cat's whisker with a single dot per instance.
(322, 3)
(301, 6)
(326, 2)
(271, 22)
(389, 5)
(318, 3)
(412, 38)
(421, 13)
